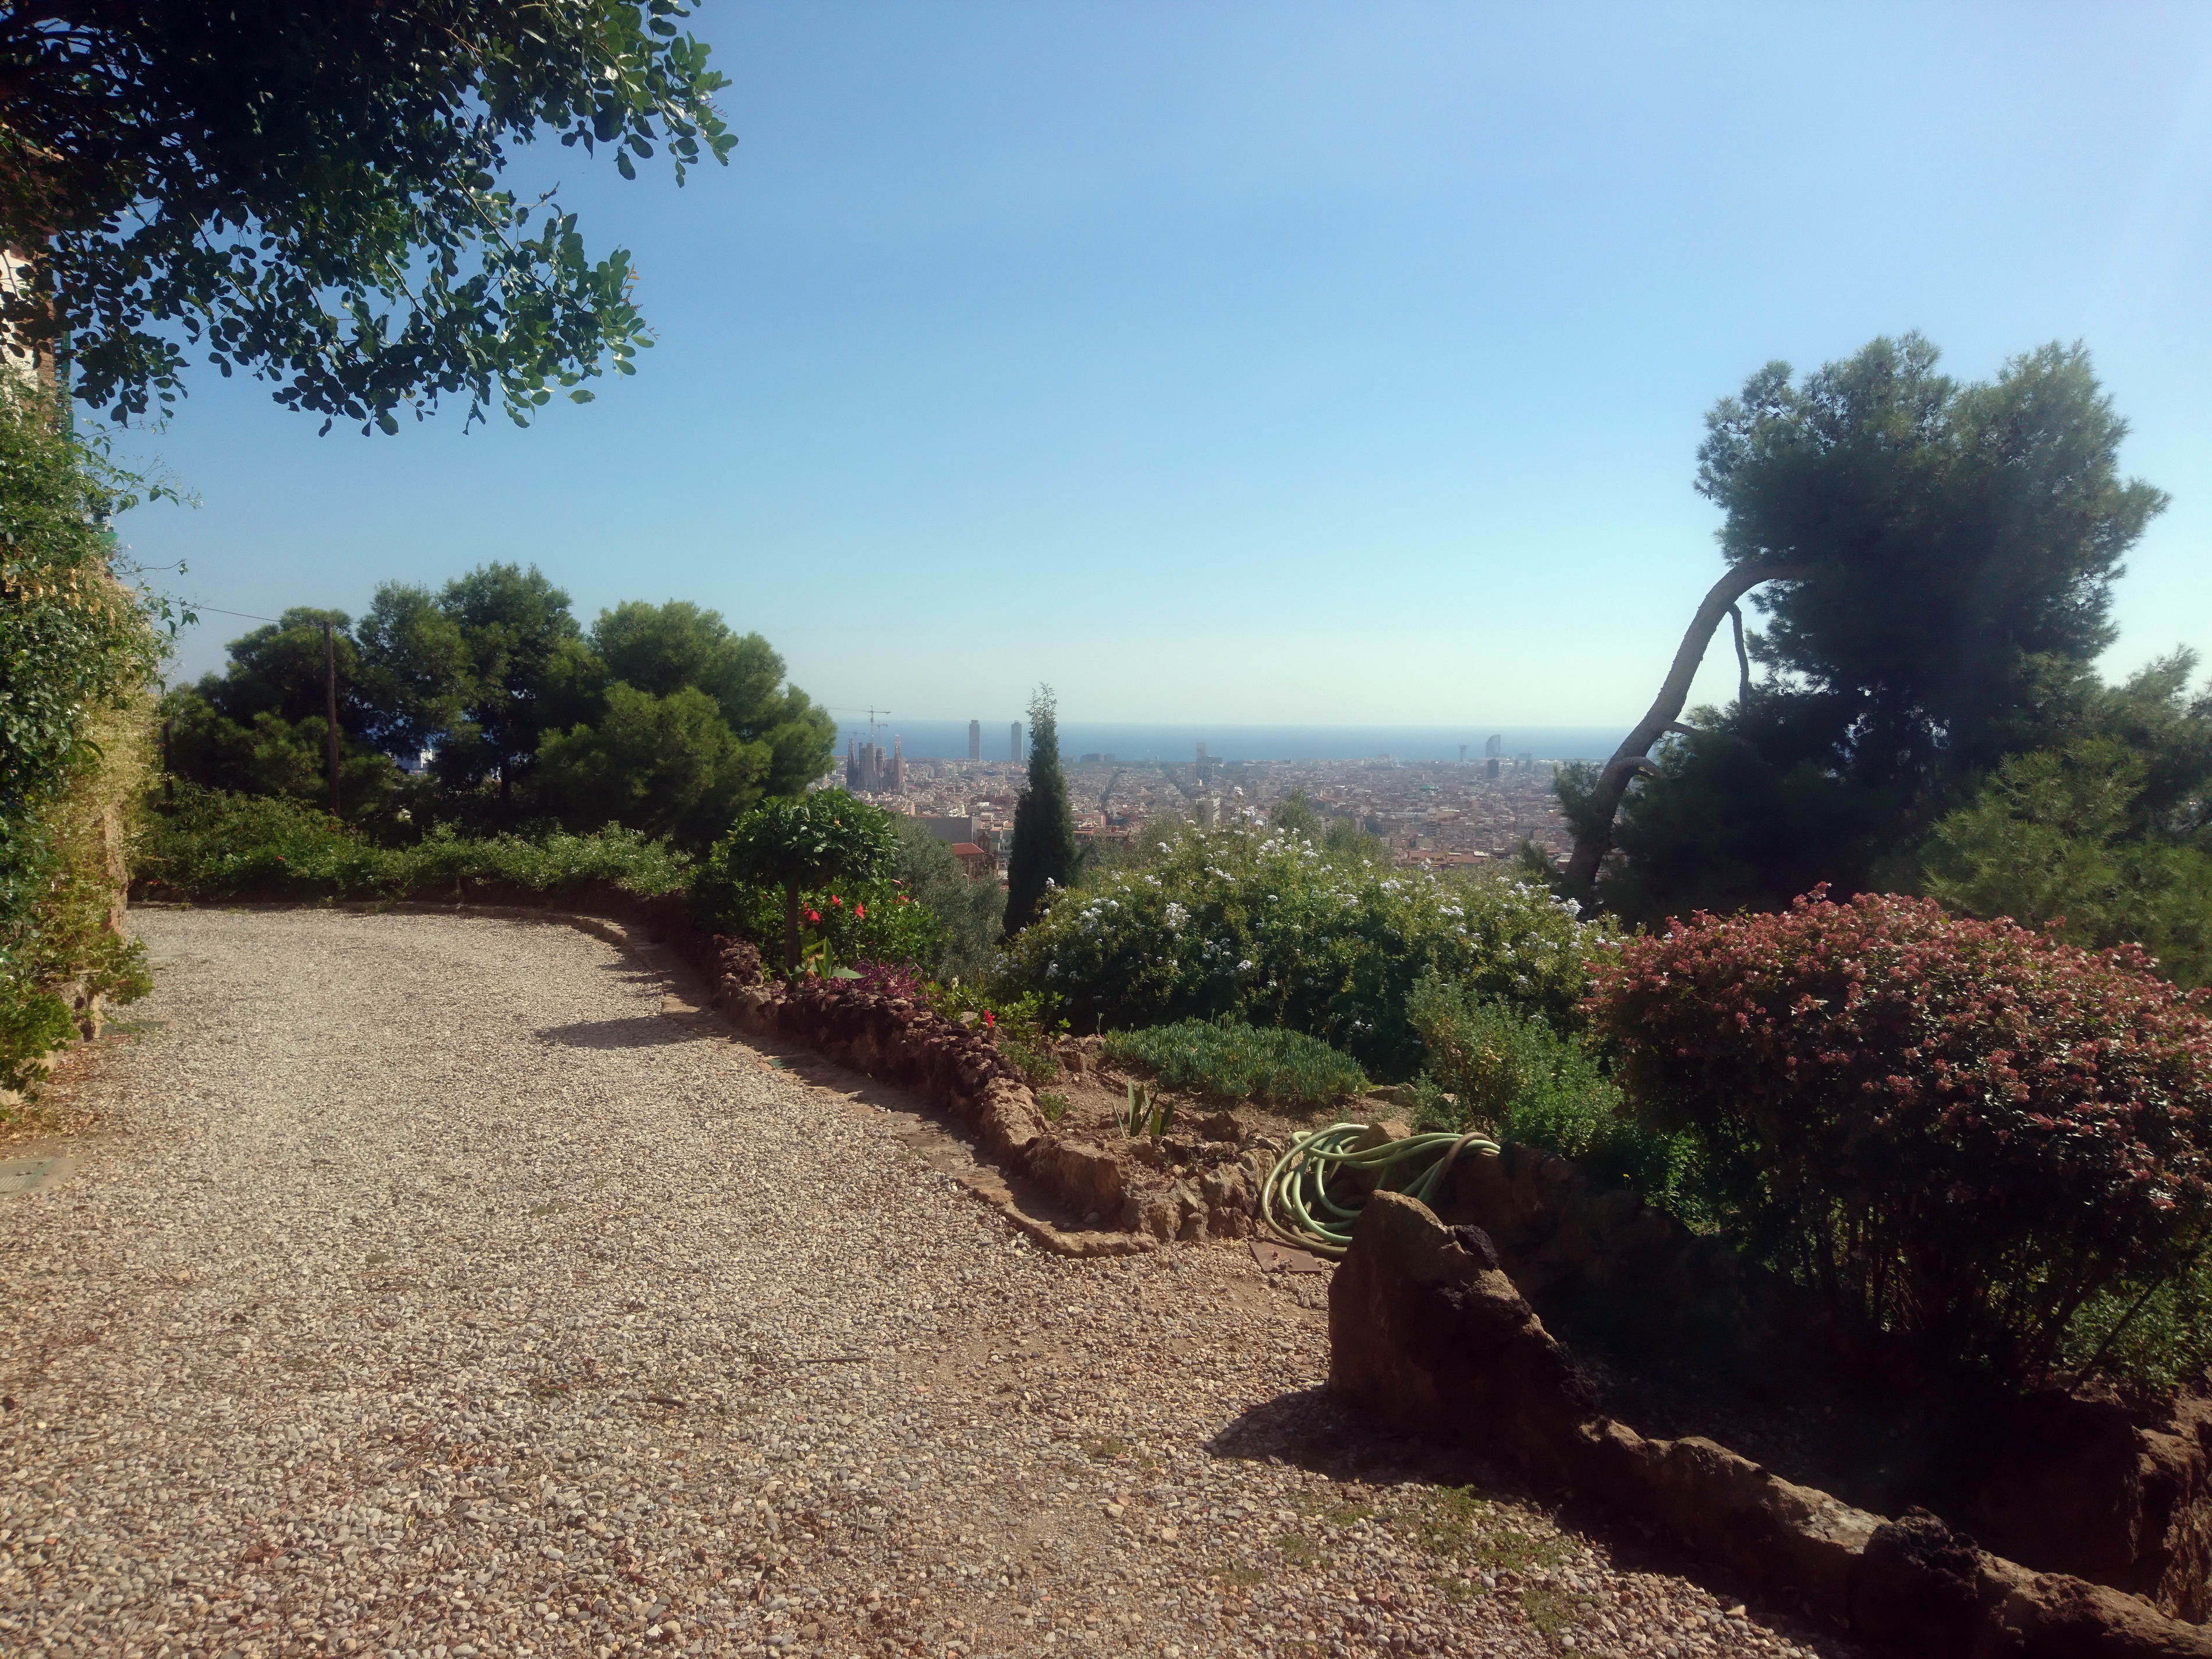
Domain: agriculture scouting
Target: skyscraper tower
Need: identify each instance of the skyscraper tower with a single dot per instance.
(975, 740)
(1494, 748)
(1014, 742)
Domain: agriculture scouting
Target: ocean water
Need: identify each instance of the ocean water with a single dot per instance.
(948, 740)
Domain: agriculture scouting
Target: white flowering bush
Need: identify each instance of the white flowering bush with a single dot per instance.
(1254, 924)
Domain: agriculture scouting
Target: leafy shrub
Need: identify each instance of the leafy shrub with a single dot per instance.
(2053, 838)
(1023, 1026)
(1964, 1128)
(1233, 1061)
(2156, 1335)
(888, 979)
(1511, 1074)
(796, 850)
(212, 844)
(1246, 924)
(969, 911)
(874, 920)
(77, 652)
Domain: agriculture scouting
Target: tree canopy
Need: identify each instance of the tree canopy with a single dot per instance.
(826, 836)
(311, 192)
(1943, 555)
(660, 718)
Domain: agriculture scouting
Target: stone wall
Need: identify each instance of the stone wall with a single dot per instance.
(2064, 1482)
(1429, 1334)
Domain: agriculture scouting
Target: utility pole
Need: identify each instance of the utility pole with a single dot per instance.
(330, 706)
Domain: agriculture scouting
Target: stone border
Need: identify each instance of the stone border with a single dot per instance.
(1428, 1333)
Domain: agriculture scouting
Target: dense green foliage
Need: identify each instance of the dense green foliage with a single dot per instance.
(1488, 1066)
(1229, 1060)
(968, 912)
(311, 192)
(2105, 839)
(787, 847)
(210, 844)
(1957, 545)
(661, 717)
(1043, 855)
(1963, 1128)
(1243, 923)
(77, 652)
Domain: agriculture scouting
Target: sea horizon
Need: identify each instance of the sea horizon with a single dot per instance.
(1139, 741)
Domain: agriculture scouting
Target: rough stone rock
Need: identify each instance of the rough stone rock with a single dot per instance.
(1225, 1126)
(2063, 1483)
(1430, 1339)
(1085, 1174)
(1428, 1334)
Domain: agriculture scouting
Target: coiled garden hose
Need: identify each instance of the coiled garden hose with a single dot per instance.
(1296, 1201)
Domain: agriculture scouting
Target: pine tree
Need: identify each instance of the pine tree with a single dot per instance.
(1043, 852)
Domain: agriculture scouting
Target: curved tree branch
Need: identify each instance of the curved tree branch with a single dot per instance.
(1632, 756)
(1742, 659)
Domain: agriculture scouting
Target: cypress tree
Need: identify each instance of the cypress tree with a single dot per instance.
(1044, 830)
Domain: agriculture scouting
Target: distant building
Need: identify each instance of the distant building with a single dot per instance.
(1524, 762)
(977, 861)
(1490, 766)
(868, 770)
(975, 740)
(1493, 749)
(1201, 754)
(954, 830)
(1463, 754)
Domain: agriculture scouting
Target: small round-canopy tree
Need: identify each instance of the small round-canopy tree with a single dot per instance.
(826, 835)
(310, 191)
(1043, 853)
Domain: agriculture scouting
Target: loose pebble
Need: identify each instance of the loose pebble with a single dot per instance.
(425, 1291)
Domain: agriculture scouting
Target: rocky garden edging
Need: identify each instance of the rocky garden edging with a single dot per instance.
(1131, 1198)
(1427, 1333)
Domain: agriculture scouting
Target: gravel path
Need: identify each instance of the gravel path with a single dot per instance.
(423, 1290)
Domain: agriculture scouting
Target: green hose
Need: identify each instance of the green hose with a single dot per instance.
(1297, 1204)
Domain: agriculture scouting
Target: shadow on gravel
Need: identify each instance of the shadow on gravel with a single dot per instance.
(1309, 1429)
(639, 1031)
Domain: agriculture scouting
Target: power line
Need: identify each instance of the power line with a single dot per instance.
(247, 614)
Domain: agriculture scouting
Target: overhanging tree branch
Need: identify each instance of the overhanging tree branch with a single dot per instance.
(1633, 756)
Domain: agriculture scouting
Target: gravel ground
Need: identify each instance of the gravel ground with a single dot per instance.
(424, 1289)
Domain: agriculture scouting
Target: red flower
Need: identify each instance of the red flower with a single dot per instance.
(858, 909)
(987, 1019)
(836, 904)
(814, 915)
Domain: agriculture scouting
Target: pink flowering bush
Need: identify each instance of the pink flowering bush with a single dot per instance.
(1966, 1128)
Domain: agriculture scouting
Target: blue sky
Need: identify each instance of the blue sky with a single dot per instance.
(1273, 362)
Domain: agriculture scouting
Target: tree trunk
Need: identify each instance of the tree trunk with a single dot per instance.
(791, 928)
(1592, 845)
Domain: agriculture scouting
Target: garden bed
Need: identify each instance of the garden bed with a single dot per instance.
(1676, 1334)
(1430, 1332)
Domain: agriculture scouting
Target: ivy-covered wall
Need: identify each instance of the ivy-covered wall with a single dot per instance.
(78, 657)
